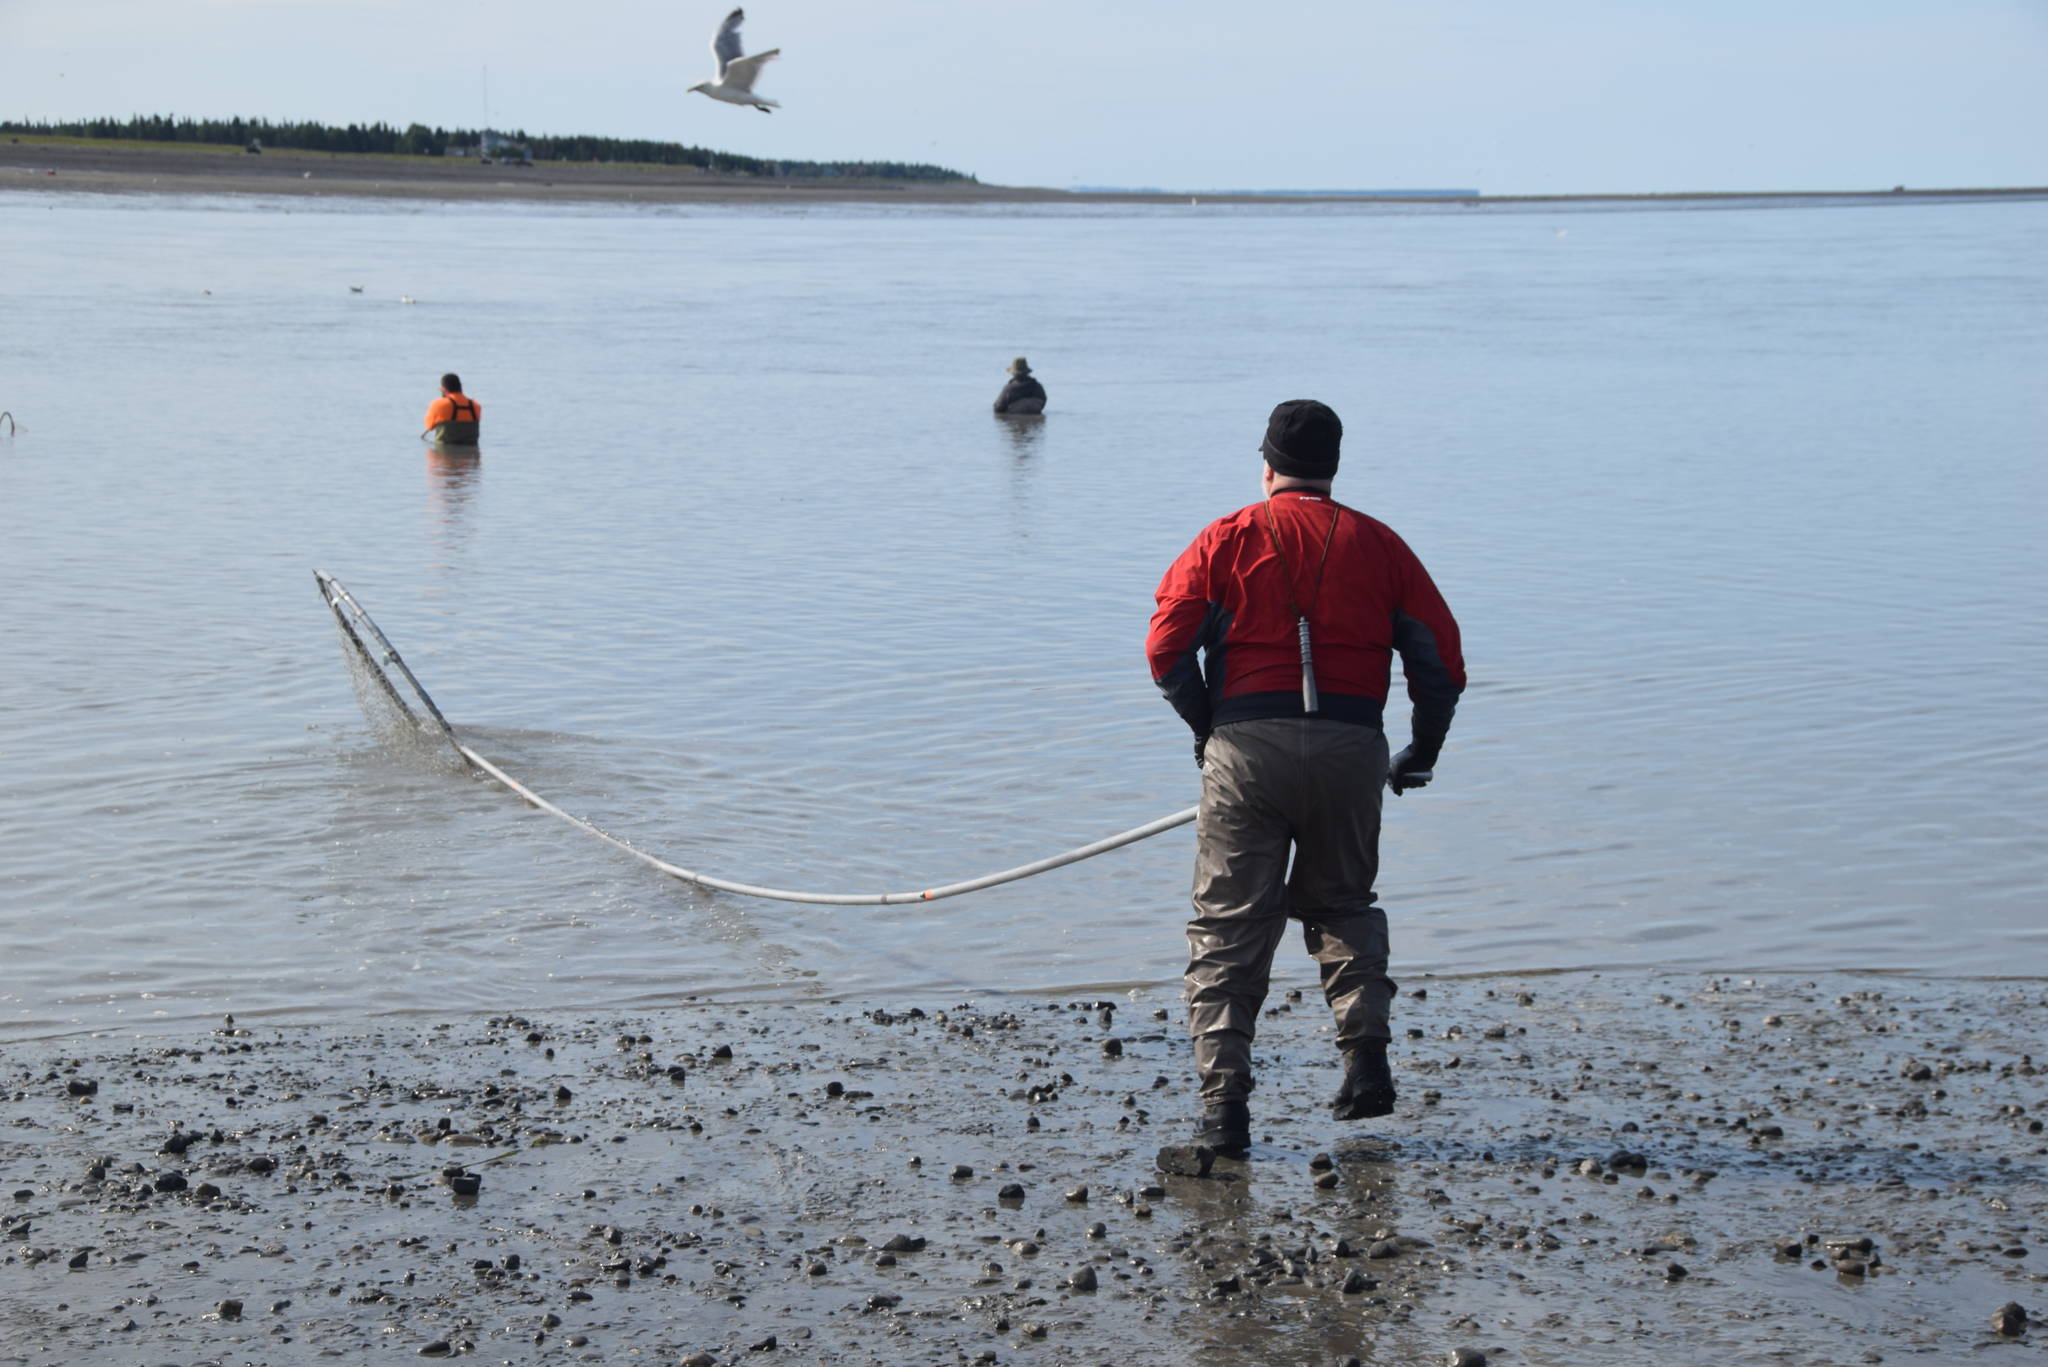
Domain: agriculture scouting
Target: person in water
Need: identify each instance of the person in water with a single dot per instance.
(1295, 607)
(454, 418)
(1022, 394)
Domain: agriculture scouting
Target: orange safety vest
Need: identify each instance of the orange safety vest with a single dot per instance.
(450, 408)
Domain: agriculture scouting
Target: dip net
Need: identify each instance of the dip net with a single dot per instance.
(399, 709)
(406, 717)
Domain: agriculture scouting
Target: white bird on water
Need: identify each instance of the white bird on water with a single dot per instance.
(735, 81)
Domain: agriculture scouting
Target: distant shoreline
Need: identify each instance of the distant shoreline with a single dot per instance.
(80, 165)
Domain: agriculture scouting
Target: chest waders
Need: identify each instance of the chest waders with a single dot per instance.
(457, 430)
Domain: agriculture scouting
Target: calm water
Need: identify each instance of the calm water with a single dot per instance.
(1741, 510)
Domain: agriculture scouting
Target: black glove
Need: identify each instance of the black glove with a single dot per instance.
(1407, 772)
(1201, 744)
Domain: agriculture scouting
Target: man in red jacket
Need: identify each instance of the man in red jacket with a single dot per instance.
(1295, 607)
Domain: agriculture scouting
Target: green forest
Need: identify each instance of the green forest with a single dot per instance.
(419, 140)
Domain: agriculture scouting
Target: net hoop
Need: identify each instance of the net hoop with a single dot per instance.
(375, 650)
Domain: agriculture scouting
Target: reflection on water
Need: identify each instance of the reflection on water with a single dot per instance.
(1026, 430)
(1254, 1259)
(453, 474)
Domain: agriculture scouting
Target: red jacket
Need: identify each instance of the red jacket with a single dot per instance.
(1227, 598)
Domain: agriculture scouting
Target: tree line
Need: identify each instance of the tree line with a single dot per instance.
(420, 140)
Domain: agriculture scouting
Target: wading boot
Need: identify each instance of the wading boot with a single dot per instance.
(1224, 1130)
(1368, 1088)
(1225, 1126)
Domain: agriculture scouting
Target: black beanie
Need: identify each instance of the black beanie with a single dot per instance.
(1302, 438)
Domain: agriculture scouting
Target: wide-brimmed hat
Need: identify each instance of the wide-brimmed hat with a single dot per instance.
(1020, 366)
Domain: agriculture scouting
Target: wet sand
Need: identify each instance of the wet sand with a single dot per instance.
(1583, 1170)
(188, 169)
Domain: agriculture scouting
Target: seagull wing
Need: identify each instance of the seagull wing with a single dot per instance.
(741, 71)
(725, 44)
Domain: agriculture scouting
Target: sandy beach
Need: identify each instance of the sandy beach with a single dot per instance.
(78, 165)
(1584, 1169)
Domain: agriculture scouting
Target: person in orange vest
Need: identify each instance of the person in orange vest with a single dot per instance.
(455, 419)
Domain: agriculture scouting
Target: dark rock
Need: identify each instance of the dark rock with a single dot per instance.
(170, 1181)
(1012, 1191)
(467, 1184)
(1186, 1160)
(961, 1172)
(884, 1300)
(79, 1086)
(79, 1259)
(1628, 1161)
(904, 1243)
(229, 1310)
(766, 1345)
(1356, 1281)
(439, 1348)
(1078, 1195)
(1112, 1048)
(723, 1051)
(1466, 1357)
(1675, 1272)
(2009, 1319)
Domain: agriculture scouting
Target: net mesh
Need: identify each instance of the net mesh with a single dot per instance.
(393, 701)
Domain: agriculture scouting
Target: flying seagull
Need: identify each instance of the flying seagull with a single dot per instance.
(735, 82)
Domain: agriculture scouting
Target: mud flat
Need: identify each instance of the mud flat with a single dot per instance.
(1584, 1170)
(74, 165)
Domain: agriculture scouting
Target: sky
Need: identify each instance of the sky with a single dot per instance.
(1502, 96)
